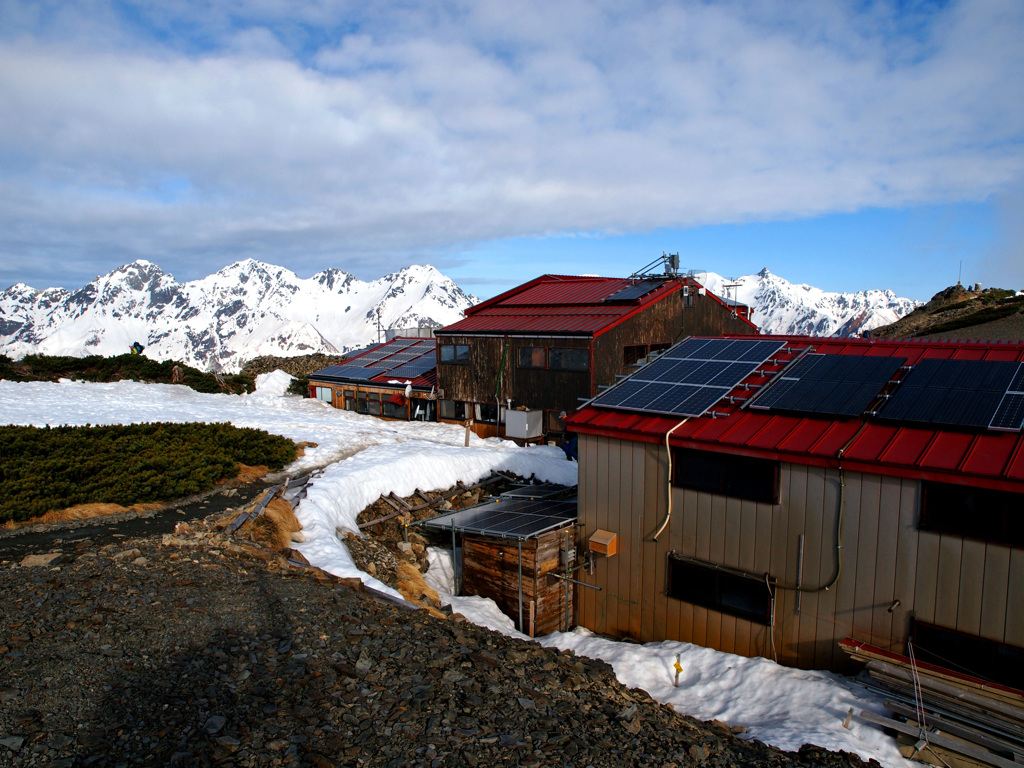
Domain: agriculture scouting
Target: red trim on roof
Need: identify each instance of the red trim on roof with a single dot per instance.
(985, 458)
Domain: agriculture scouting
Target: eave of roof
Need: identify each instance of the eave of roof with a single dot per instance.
(987, 458)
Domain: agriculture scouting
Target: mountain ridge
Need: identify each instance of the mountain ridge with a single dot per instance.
(251, 309)
(244, 310)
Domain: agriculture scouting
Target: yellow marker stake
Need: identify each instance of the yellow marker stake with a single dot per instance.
(678, 668)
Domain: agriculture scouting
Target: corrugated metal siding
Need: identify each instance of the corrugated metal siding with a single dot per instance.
(955, 583)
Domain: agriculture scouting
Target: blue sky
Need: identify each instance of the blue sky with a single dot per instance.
(848, 145)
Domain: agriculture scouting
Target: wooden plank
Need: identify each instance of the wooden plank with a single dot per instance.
(947, 595)
(747, 549)
(906, 564)
(956, 729)
(816, 520)
(652, 621)
(702, 550)
(716, 542)
(927, 583)
(787, 621)
(995, 593)
(641, 545)
(972, 583)
(685, 519)
(628, 530)
(866, 553)
(1015, 608)
(886, 538)
(587, 615)
(939, 740)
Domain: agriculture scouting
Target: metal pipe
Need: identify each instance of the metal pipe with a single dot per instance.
(668, 450)
(520, 585)
(575, 581)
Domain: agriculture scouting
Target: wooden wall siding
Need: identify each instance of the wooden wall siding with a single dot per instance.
(491, 569)
(709, 318)
(661, 323)
(473, 382)
(959, 584)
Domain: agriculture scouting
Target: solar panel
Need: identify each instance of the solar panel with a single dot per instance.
(961, 393)
(833, 385)
(352, 372)
(635, 291)
(413, 369)
(509, 519)
(1009, 413)
(690, 377)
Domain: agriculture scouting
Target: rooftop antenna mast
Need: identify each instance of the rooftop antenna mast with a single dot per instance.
(669, 262)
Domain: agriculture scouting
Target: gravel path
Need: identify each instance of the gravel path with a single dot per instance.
(199, 650)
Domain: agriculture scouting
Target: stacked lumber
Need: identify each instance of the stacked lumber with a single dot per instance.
(944, 717)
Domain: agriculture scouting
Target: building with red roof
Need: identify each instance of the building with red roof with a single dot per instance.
(543, 347)
(771, 496)
(394, 380)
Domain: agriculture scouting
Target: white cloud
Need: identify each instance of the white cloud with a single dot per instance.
(386, 129)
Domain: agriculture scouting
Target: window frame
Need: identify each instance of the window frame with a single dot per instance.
(459, 354)
(727, 474)
(719, 588)
(980, 514)
(533, 363)
(556, 352)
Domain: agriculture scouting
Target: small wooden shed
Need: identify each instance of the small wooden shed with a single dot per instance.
(520, 552)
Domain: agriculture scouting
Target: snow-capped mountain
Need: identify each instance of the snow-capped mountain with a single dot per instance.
(781, 307)
(243, 311)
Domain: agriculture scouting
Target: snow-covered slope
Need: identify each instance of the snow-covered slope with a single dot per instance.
(782, 307)
(245, 310)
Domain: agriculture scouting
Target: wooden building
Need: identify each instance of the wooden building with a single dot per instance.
(543, 347)
(394, 380)
(790, 509)
(519, 551)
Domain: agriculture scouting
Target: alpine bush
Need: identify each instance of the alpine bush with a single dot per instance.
(52, 468)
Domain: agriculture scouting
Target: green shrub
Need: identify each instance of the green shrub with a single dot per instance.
(119, 368)
(43, 468)
(984, 316)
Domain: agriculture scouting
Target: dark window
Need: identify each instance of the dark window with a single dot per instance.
(424, 410)
(453, 409)
(532, 357)
(633, 353)
(736, 593)
(727, 475)
(455, 353)
(568, 359)
(396, 411)
(373, 396)
(360, 402)
(487, 413)
(987, 659)
(974, 513)
(659, 347)
(373, 407)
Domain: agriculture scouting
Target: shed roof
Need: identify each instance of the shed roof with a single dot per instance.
(565, 304)
(865, 443)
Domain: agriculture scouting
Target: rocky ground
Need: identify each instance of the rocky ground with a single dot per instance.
(202, 649)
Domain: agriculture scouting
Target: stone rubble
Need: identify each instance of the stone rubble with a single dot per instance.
(198, 649)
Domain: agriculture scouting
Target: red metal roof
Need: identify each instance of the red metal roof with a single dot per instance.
(979, 457)
(561, 304)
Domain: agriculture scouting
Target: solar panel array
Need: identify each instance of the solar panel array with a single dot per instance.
(690, 377)
(961, 393)
(509, 519)
(399, 358)
(832, 385)
(636, 291)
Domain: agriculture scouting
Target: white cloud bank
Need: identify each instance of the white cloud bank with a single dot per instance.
(393, 130)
